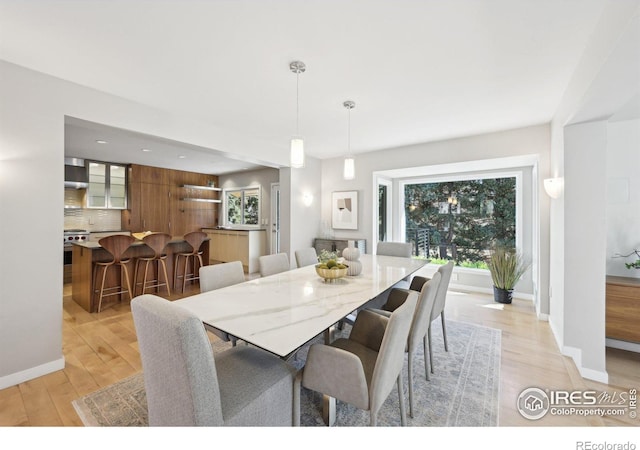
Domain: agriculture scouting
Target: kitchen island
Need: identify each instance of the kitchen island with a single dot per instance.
(85, 254)
(238, 244)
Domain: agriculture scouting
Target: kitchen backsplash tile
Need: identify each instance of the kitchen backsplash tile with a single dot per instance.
(92, 219)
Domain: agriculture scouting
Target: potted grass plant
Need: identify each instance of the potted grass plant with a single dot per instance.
(507, 267)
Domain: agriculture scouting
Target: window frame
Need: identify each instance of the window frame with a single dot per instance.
(443, 178)
(243, 190)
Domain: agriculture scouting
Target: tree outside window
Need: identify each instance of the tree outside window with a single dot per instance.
(463, 219)
(243, 206)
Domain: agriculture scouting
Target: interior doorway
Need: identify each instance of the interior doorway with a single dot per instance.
(275, 218)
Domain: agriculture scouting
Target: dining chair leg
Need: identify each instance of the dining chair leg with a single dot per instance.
(328, 410)
(430, 349)
(426, 356)
(403, 411)
(444, 332)
(410, 367)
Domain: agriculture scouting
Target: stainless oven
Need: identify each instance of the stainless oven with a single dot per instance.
(69, 237)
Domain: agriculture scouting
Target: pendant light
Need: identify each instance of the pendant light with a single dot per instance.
(297, 144)
(349, 163)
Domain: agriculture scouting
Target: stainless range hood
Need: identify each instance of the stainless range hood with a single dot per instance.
(75, 173)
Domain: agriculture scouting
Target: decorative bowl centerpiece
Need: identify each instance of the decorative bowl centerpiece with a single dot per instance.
(331, 270)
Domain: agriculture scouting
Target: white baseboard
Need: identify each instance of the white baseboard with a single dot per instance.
(31, 373)
(590, 374)
(623, 345)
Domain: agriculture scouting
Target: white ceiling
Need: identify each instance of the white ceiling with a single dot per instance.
(418, 70)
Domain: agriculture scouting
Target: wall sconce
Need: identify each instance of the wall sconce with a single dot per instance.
(553, 187)
(307, 199)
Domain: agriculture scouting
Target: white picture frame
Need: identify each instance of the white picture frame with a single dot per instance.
(344, 210)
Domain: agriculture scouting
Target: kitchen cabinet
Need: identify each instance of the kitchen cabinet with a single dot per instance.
(623, 308)
(156, 201)
(107, 186)
(228, 245)
(338, 244)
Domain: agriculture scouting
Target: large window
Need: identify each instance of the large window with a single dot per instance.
(242, 206)
(460, 220)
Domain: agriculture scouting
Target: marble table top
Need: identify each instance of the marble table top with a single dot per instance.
(282, 312)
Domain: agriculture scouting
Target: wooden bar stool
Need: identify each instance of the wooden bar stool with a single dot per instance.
(195, 240)
(158, 243)
(116, 246)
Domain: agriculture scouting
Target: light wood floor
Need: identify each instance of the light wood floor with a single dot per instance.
(101, 349)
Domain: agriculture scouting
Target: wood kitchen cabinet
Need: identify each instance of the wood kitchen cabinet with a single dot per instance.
(156, 201)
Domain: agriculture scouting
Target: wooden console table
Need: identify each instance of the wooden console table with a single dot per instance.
(623, 308)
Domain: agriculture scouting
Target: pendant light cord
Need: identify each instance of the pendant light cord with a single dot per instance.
(349, 132)
(297, 103)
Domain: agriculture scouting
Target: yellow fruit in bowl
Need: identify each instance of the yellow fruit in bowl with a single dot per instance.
(331, 263)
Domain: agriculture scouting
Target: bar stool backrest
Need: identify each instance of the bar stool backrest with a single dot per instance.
(157, 242)
(195, 240)
(116, 245)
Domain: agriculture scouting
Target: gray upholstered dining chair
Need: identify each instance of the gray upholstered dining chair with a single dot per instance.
(217, 276)
(187, 385)
(362, 369)
(402, 249)
(399, 249)
(440, 301)
(272, 264)
(306, 257)
(419, 325)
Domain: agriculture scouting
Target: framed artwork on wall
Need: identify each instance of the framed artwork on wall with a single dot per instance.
(344, 210)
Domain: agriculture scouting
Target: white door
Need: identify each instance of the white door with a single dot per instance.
(275, 218)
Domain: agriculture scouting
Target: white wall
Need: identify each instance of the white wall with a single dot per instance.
(32, 202)
(606, 78)
(305, 223)
(623, 196)
(505, 144)
(32, 112)
(299, 222)
(585, 246)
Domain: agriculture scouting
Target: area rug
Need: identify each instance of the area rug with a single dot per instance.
(462, 391)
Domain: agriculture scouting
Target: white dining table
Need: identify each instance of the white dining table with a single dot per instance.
(282, 312)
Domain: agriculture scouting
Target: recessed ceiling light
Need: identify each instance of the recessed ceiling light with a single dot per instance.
(100, 141)
(146, 150)
(182, 157)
